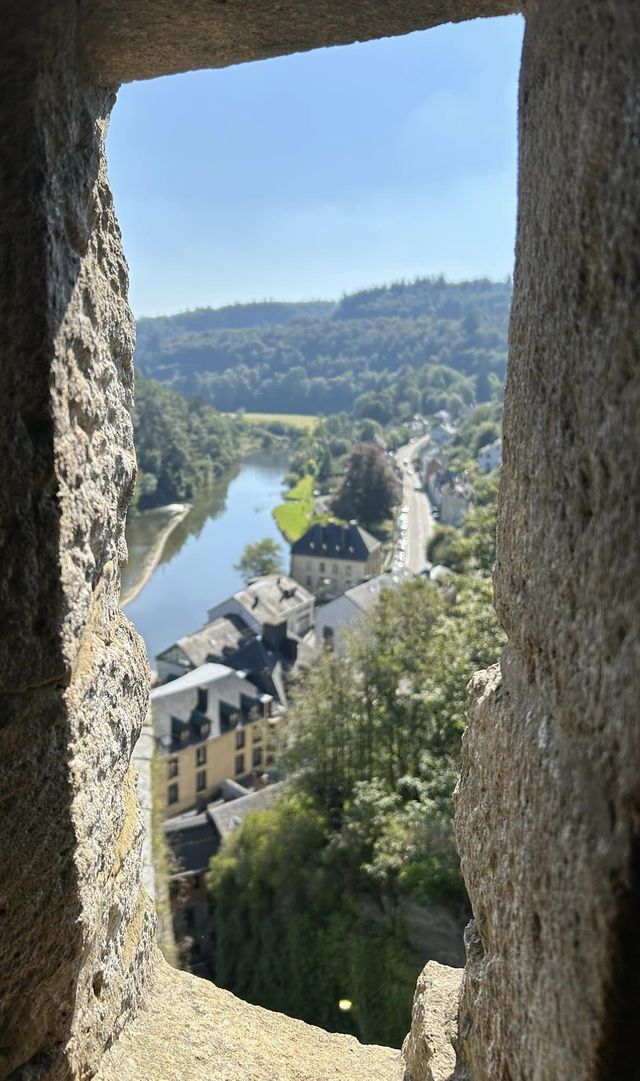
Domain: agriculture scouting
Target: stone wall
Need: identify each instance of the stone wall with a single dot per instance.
(548, 810)
(77, 928)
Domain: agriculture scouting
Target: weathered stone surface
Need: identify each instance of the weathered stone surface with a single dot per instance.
(548, 810)
(75, 942)
(127, 41)
(428, 1051)
(191, 1029)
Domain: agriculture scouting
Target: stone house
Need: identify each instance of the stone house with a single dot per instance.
(210, 724)
(329, 559)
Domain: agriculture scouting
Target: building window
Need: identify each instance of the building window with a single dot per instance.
(309, 580)
(203, 698)
(239, 764)
(257, 756)
(257, 733)
(239, 739)
(173, 767)
(334, 570)
(201, 756)
(201, 780)
(172, 796)
(321, 568)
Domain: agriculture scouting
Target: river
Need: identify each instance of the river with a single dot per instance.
(196, 569)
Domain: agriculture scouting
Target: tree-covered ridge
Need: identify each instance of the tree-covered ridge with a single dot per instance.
(383, 352)
(181, 446)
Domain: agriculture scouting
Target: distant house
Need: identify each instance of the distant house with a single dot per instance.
(444, 430)
(230, 642)
(213, 642)
(331, 558)
(273, 601)
(490, 457)
(454, 502)
(334, 617)
(432, 462)
(210, 724)
(193, 838)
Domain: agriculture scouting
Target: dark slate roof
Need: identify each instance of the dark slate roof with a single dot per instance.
(333, 541)
(193, 839)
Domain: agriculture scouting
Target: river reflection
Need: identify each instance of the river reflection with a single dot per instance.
(196, 570)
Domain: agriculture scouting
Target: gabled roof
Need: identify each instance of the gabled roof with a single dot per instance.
(203, 676)
(227, 816)
(366, 594)
(333, 541)
(270, 598)
(213, 640)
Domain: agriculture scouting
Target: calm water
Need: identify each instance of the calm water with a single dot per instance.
(197, 567)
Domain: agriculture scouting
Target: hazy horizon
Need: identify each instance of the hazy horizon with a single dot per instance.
(323, 300)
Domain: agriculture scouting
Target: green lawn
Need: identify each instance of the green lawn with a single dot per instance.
(293, 518)
(303, 490)
(295, 515)
(292, 420)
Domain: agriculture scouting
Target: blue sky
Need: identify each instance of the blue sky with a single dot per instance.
(320, 173)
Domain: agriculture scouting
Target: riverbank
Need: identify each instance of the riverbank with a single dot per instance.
(180, 511)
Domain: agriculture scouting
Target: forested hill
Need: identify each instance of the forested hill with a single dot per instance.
(381, 352)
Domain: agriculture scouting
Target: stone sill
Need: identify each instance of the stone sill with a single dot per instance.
(191, 1030)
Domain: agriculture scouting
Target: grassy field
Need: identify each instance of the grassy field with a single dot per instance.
(293, 518)
(302, 491)
(292, 420)
(295, 515)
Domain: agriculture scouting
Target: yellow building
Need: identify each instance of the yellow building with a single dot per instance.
(210, 724)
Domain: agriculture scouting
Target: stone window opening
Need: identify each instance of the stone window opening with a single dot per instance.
(70, 658)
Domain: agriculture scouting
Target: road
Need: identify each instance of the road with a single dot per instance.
(419, 519)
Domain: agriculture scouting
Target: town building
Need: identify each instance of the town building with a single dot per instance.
(444, 430)
(329, 559)
(455, 498)
(230, 641)
(210, 724)
(272, 603)
(216, 641)
(193, 838)
(490, 457)
(333, 618)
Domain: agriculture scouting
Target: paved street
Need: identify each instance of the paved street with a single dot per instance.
(419, 519)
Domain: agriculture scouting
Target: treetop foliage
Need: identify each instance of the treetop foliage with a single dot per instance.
(370, 488)
(263, 557)
(383, 352)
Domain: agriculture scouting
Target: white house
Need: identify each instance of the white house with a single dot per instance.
(490, 457)
(332, 618)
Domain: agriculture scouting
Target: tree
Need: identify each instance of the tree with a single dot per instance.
(370, 489)
(260, 558)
